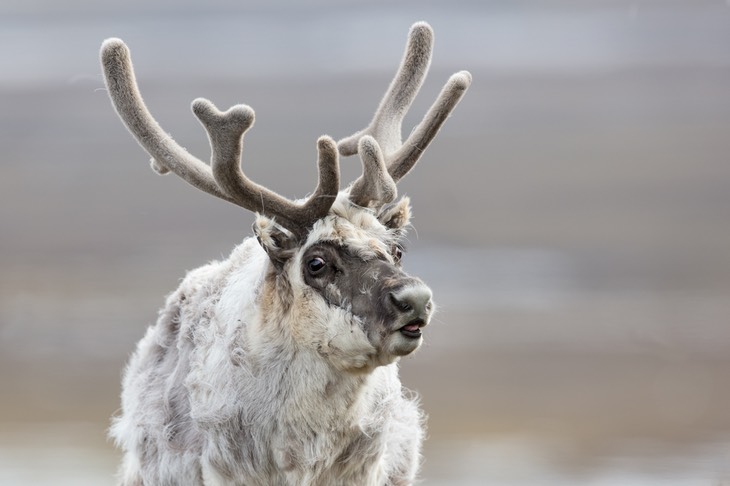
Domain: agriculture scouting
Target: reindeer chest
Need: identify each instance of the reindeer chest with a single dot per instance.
(290, 450)
(344, 456)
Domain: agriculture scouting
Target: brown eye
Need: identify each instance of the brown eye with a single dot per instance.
(316, 265)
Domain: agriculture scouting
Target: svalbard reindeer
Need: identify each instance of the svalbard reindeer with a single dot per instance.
(279, 364)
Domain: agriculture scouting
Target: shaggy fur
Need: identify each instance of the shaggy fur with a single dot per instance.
(278, 366)
(249, 377)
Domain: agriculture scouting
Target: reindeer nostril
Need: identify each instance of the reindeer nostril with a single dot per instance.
(400, 304)
(414, 299)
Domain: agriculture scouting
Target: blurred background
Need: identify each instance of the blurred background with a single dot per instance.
(572, 217)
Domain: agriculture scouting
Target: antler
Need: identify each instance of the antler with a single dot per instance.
(385, 127)
(225, 130)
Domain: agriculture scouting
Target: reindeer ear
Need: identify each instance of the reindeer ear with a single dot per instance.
(396, 216)
(277, 242)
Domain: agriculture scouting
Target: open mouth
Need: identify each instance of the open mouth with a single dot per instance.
(412, 329)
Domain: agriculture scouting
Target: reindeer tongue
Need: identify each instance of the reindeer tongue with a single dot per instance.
(410, 327)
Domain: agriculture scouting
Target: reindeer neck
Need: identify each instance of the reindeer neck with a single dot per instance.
(308, 390)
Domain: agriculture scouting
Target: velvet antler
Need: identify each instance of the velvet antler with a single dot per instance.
(385, 128)
(225, 130)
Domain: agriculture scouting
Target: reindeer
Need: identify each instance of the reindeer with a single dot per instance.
(279, 365)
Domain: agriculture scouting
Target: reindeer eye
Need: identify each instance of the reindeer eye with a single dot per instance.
(316, 265)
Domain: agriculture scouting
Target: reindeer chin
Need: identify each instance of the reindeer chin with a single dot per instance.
(403, 345)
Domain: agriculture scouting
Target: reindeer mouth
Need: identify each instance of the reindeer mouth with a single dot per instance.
(413, 329)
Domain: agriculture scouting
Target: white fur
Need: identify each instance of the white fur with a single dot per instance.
(249, 378)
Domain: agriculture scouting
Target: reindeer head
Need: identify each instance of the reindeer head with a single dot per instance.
(335, 275)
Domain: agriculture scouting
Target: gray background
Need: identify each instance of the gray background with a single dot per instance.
(573, 219)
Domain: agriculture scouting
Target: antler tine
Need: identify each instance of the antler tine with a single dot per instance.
(402, 161)
(127, 100)
(375, 185)
(386, 124)
(225, 131)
